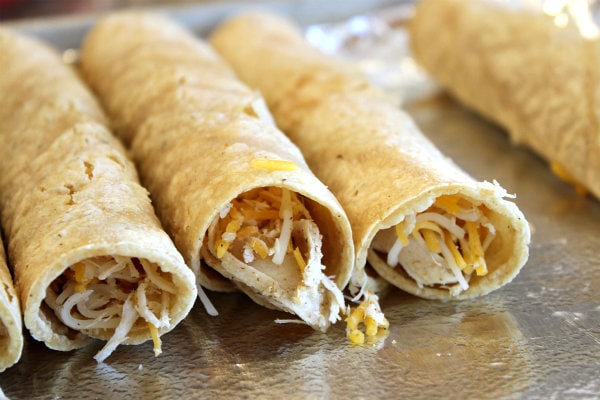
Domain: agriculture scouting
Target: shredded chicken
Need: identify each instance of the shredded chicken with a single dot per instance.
(442, 246)
(113, 293)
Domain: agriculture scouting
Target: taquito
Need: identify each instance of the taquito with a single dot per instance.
(89, 256)
(11, 329)
(421, 222)
(233, 192)
(532, 68)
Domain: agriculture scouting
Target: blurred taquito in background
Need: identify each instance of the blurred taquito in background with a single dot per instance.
(533, 67)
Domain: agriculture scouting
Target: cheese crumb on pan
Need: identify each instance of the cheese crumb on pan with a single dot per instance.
(365, 320)
(444, 246)
(114, 294)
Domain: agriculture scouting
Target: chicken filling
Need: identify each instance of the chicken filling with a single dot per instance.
(271, 230)
(117, 294)
(443, 247)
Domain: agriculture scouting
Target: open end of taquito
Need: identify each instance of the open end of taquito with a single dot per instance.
(267, 241)
(451, 242)
(93, 261)
(11, 331)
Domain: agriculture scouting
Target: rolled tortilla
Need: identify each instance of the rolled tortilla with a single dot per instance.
(11, 329)
(422, 223)
(534, 74)
(90, 258)
(234, 193)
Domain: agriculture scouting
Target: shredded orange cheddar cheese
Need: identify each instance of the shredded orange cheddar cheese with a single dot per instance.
(476, 249)
(155, 339)
(448, 203)
(222, 247)
(247, 231)
(460, 261)
(279, 165)
(259, 222)
(259, 247)
(81, 285)
(356, 336)
(454, 229)
(233, 226)
(431, 239)
(369, 315)
(401, 233)
(299, 259)
(260, 214)
(370, 326)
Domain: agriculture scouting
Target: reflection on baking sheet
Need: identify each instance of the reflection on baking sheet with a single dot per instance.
(466, 348)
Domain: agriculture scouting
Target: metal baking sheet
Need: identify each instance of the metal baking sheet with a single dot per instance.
(538, 337)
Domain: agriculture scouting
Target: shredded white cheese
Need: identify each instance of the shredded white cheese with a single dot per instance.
(113, 293)
(442, 245)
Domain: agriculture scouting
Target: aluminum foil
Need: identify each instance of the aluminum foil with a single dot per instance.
(536, 338)
(377, 43)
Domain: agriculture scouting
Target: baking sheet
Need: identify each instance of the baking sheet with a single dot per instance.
(538, 337)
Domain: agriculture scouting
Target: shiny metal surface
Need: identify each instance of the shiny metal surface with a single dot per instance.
(538, 337)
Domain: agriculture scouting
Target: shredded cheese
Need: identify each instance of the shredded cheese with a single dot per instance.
(259, 247)
(448, 203)
(248, 231)
(260, 214)
(356, 336)
(476, 249)
(368, 316)
(279, 165)
(455, 230)
(155, 339)
(432, 240)
(222, 247)
(299, 259)
(115, 294)
(79, 277)
(460, 261)
(401, 233)
(370, 326)
(260, 222)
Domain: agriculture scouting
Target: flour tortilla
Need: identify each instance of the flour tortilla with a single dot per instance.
(11, 330)
(71, 201)
(515, 66)
(369, 153)
(195, 131)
